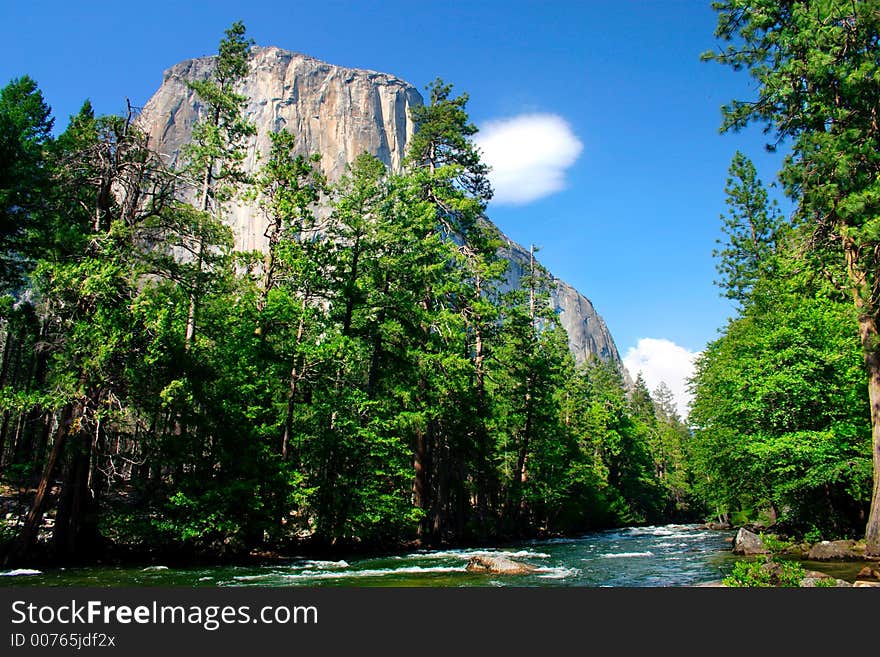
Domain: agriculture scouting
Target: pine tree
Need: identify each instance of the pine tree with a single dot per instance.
(215, 156)
(86, 277)
(445, 160)
(25, 131)
(296, 267)
(750, 229)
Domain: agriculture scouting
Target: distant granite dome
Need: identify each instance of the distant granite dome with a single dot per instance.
(337, 112)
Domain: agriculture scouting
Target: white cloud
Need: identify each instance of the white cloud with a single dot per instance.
(529, 155)
(661, 360)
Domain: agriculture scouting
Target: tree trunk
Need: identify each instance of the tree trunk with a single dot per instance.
(4, 370)
(350, 288)
(376, 353)
(195, 293)
(295, 376)
(28, 535)
(871, 352)
(273, 233)
(74, 527)
(420, 481)
(869, 336)
(440, 503)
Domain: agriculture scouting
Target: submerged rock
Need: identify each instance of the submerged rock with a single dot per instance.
(748, 543)
(498, 565)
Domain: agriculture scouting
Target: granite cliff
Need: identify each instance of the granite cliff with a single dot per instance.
(338, 112)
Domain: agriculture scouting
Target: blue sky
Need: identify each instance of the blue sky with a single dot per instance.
(628, 111)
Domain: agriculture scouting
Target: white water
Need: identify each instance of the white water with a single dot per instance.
(19, 572)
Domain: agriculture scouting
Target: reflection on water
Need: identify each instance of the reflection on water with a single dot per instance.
(672, 555)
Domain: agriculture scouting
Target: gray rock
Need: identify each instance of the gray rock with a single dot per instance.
(587, 333)
(340, 113)
(748, 543)
(812, 582)
(831, 550)
(812, 578)
(498, 565)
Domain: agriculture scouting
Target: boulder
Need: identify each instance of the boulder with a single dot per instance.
(812, 577)
(799, 550)
(498, 565)
(868, 573)
(748, 543)
(715, 526)
(811, 582)
(775, 572)
(859, 583)
(831, 550)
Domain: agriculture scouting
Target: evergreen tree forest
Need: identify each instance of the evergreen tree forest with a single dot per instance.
(364, 383)
(786, 413)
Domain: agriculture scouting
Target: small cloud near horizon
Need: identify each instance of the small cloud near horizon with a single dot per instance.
(661, 360)
(529, 155)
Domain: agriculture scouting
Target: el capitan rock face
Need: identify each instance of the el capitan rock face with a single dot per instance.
(587, 332)
(337, 112)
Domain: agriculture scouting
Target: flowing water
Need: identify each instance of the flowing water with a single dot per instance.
(672, 555)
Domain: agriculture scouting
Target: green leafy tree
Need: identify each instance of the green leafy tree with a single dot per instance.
(296, 268)
(85, 279)
(672, 451)
(442, 139)
(815, 66)
(779, 409)
(530, 367)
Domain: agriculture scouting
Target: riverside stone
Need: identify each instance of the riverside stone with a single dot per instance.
(748, 543)
(831, 550)
(868, 573)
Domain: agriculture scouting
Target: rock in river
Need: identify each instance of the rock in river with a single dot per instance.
(498, 565)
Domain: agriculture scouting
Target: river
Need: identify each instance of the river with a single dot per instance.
(671, 555)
